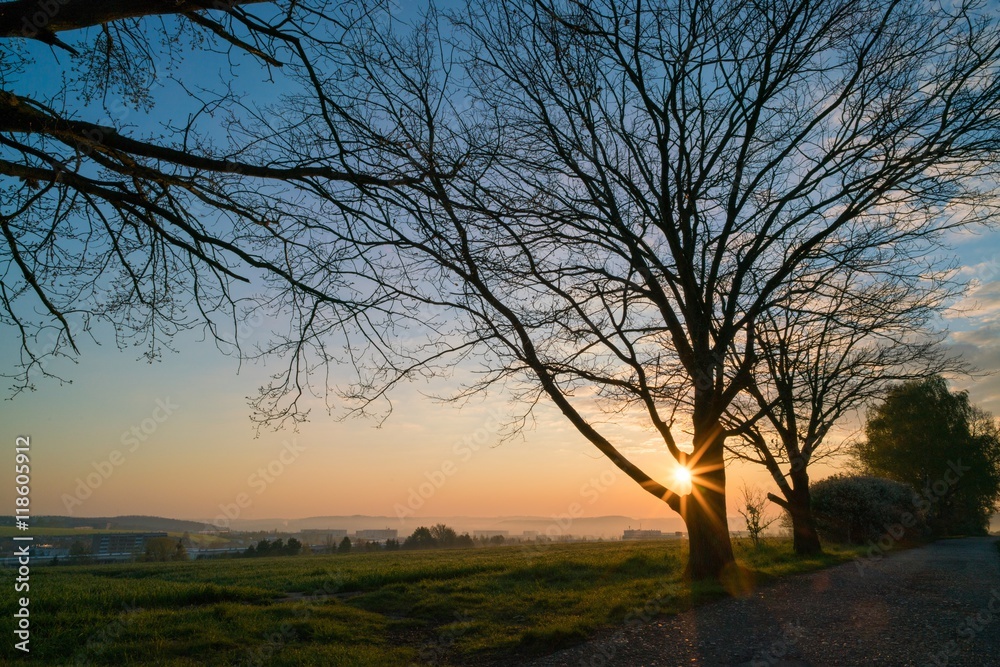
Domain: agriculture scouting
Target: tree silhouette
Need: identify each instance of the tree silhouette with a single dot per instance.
(152, 230)
(444, 536)
(421, 538)
(159, 549)
(631, 187)
(753, 509)
(944, 447)
(293, 547)
(825, 355)
(598, 201)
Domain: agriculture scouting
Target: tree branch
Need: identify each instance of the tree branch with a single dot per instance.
(41, 19)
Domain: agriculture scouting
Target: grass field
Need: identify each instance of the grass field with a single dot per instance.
(389, 608)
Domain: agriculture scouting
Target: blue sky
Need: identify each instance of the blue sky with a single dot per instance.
(174, 438)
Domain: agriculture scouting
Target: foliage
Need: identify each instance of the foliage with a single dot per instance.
(277, 548)
(421, 538)
(935, 440)
(80, 548)
(345, 545)
(438, 536)
(159, 549)
(443, 535)
(822, 357)
(856, 509)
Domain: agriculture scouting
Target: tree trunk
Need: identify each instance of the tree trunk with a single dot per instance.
(805, 539)
(704, 512)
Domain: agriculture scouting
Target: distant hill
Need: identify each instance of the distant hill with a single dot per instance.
(604, 526)
(150, 523)
(600, 526)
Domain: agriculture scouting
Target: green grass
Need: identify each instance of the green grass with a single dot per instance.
(391, 608)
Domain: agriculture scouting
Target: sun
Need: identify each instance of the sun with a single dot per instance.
(682, 480)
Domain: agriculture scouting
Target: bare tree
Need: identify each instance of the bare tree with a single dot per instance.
(110, 219)
(824, 356)
(633, 187)
(753, 509)
(597, 202)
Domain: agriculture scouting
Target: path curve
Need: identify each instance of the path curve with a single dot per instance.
(937, 605)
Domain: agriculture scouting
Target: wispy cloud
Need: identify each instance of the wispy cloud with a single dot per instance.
(981, 307)
(979, 340)
(984, 272)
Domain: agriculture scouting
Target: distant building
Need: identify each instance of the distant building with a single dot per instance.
(530, 534)
(651, 535)
(489, 533)
(109, 544)
(376, 534)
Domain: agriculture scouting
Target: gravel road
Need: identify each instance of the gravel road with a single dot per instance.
(933, 606)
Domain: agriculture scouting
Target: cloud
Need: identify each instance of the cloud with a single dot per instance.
(980, 308)
(979, 344)
(983, 272)
(974, 341)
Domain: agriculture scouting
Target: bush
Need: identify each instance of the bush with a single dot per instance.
(946, 447)
(855, 509)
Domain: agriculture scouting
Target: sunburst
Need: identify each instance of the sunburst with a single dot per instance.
(682, 480)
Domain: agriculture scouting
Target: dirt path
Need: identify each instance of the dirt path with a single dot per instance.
(933, 606)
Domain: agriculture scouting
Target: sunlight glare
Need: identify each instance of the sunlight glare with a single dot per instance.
(682, 480)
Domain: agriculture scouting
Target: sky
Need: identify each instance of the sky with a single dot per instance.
(174, 438)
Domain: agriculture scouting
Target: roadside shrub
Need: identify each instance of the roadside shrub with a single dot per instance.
(854, 509)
